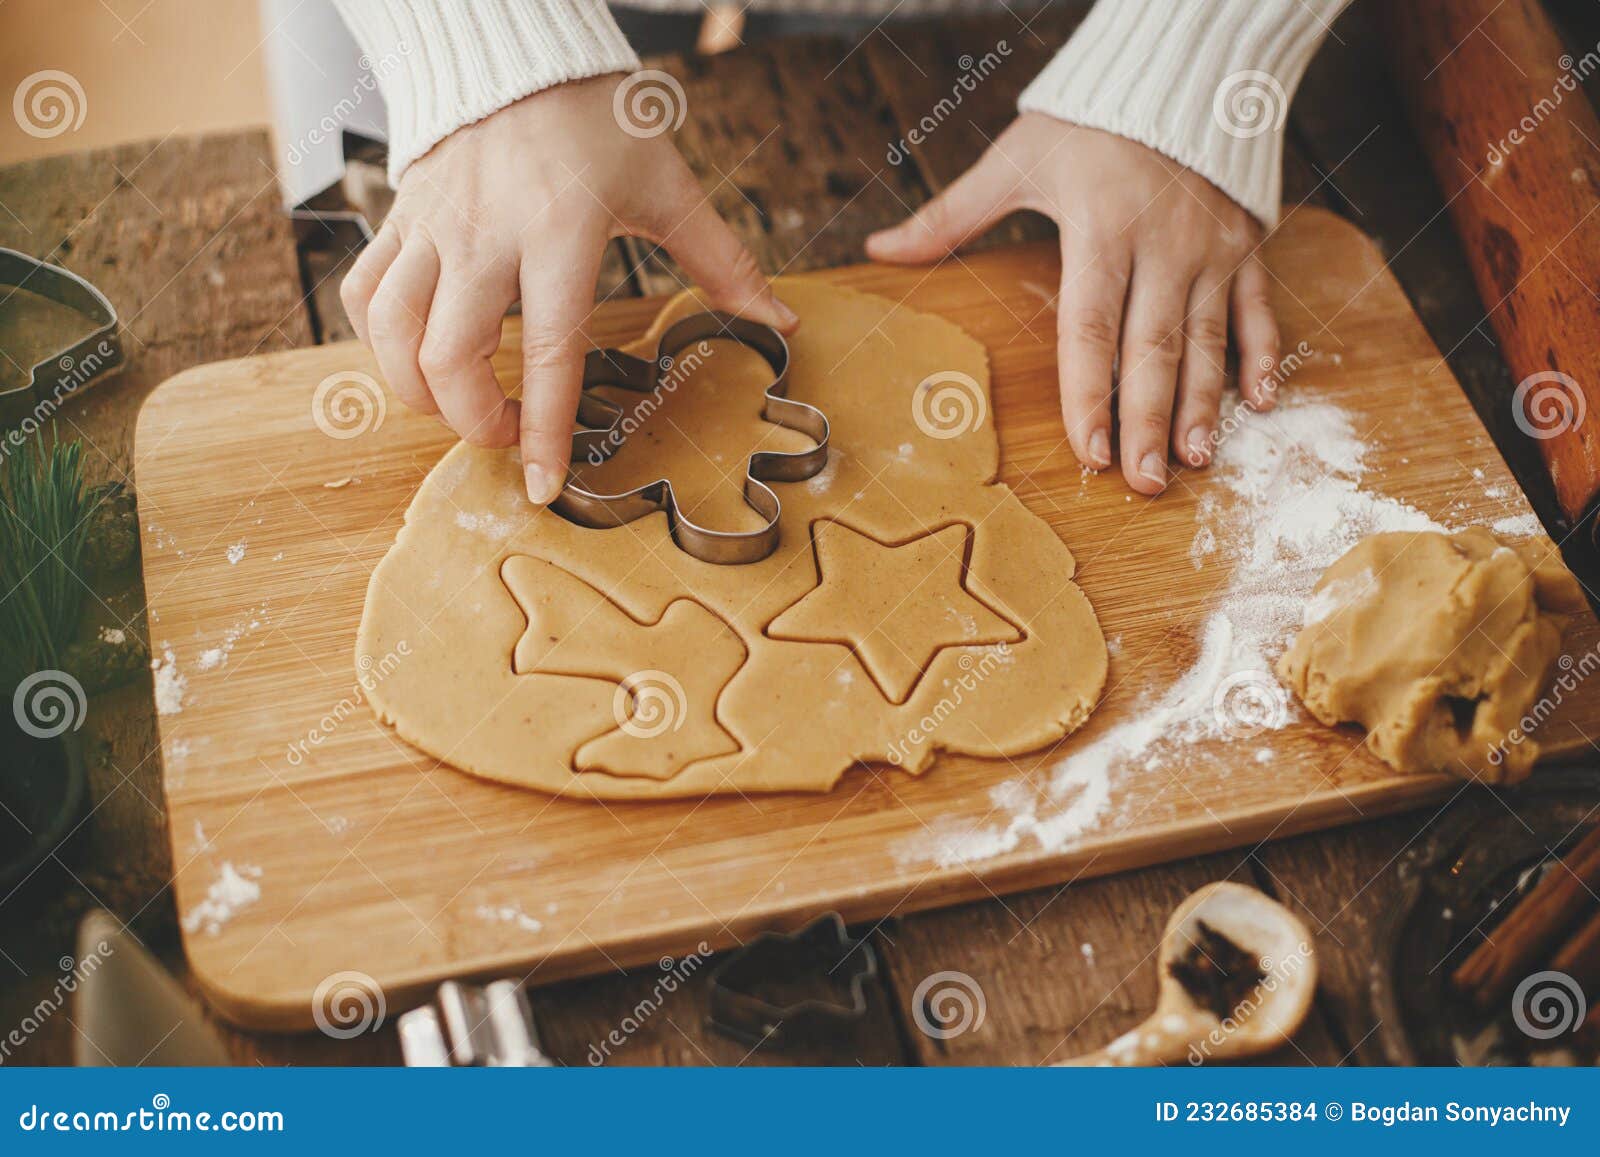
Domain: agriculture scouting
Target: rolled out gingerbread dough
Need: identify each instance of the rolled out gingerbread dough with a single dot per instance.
(914, 604)
(1439, 645)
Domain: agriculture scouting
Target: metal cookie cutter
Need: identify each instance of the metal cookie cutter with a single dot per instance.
(775, 963)
(602, 435)
(63, 373)
(491, 1026)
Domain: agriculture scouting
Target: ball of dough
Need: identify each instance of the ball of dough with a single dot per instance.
(1437, 644)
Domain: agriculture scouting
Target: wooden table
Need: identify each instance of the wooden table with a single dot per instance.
(186, 237)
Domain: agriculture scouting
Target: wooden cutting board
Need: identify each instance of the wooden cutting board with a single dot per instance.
(310, 842)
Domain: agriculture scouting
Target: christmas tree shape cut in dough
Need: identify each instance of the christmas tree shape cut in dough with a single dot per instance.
(669, 673)
(896, 605)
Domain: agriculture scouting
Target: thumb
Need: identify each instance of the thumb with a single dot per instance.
(728, 273)
(979, 197)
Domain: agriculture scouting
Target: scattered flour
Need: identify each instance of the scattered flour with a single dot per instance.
(1335, 595)
(448, 473)
(966, 624)
(232, 890)
(214, 657)
(170, 683)
(1518, 525)
(491, 524)
(236, 553)
(113, 635)
(1291, 502)
(822, 481)
(509, 914)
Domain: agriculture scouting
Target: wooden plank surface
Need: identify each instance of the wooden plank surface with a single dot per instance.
(787, 139)
(953, 88)
(333, 837)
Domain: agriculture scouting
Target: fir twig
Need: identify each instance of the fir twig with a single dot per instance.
(44, 522)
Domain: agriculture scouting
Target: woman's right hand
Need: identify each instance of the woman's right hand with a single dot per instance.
(520, 205)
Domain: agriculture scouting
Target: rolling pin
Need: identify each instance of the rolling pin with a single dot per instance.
(1497, 103)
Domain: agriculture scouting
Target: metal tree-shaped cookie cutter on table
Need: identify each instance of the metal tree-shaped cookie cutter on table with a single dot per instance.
(87, 356)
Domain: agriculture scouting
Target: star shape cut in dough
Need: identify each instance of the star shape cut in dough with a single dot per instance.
(895, 605)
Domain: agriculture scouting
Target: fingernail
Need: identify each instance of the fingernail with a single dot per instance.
(1099, 450)
(1267, 396)
(1199, 446)
(543, 485)
(1154, 468)
(785, 315)
(886, 238)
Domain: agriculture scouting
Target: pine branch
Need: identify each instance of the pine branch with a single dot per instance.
(44, 522)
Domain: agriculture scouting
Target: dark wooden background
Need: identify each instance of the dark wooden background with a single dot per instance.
(186, 237)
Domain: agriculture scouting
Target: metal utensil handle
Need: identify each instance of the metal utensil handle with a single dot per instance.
(469, 1026)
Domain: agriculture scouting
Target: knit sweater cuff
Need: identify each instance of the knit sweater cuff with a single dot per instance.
(442, 64)
(1207, 83)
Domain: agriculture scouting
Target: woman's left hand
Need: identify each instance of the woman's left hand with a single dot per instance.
(1157, 266)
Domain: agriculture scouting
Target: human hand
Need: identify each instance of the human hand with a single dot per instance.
(521, 205)
(1156, 264)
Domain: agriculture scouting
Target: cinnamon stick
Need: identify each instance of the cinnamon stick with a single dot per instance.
(1534, 928)
(1589, 1033)
(1579, 958)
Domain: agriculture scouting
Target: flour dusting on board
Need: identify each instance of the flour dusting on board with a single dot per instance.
(169, 683)
(233, 889)
(1291, 503)
(508, 914)
(1517, 525)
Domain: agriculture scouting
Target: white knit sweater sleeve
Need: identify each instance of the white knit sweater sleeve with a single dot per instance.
(442, 64)
(1205, 82)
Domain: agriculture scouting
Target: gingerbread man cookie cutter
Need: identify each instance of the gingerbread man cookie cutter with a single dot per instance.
(602, 434)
